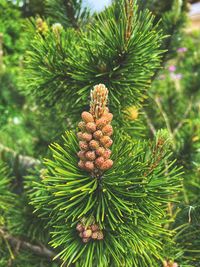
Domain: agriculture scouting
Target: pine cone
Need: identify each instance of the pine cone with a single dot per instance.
(90, 155)
(100, 151)
(98, 134)
(86, 137)
(95, 135)
(106, 165)
(87, 233)
(87, 117)
(89, 166)
(83, 145)
(91, 127)
(94, 144)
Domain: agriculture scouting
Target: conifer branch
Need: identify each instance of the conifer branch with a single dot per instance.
(166, 119)
(150, 123)
(179, 126)
(70, 13)
(129, 11)
(40, 250)
(25, 162)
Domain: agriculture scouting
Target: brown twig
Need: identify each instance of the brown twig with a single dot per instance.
(165, 117)
(149, 122)
(18, 243)
(129, 12)
(25, 162)
(179, 126)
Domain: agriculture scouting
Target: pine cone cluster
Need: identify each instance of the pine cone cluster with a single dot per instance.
(170, 264)
(89, 232)
(95, 134)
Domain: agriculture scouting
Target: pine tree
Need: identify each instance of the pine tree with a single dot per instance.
(109, 190)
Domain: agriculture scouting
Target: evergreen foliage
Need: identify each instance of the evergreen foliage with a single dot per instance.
(142, 211)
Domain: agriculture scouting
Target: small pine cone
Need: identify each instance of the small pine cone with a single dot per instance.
(83, 145)
(94, 144)
(91, 127)
(107, 130)
(81, 234)
(108, 117)
(81, 155)
(100, 235)
(106, 165)
(86, 240)
(87, 233)
(87, 117)
(79, 227)
(89, 166)
(100, 151)
(79, 135)
(86, 137)
(106, 141)
(99, 161)
(98, 134)
(94, 235)
(101, 122)
(94, 227)
(90, 155)
(81, 164)
(82, 125)
(107, 153)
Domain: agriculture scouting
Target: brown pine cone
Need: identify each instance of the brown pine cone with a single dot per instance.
(101, 123)
(83, 145)
(106, 165)
(81, 234)
(94, 235)
(100, 151)
(98, 134)
(100, 235)
(91, 127)
(94, 227)
(86, 137)
(94, 144)
(99, 161)
(81, 164)
(87, 233)
(108, 117)
(89, 166)
(87, 117)
(79, 135)
(79, 227)
(81, 155)
(106, 141)
(82, 125)
(107, 153)
(90, 155)
(107, 130)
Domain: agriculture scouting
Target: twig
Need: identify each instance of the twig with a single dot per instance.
(36, 249)
(1, 51)
(163, 113)
(25, 162)
(129, 13)
(149, 122)
(182, 121)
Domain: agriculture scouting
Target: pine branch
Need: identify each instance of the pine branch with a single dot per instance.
(71, 15)
(166, 119)
(40, 250)
(25, 162)
(150, 123)
(179, 126)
